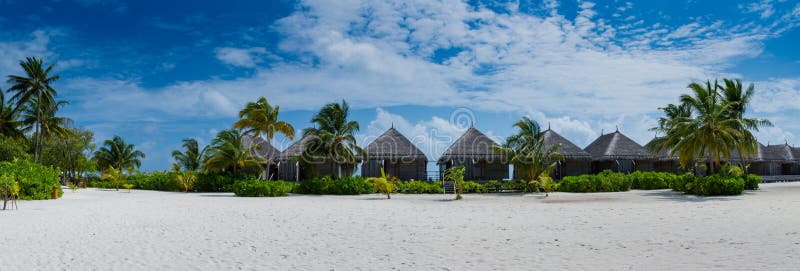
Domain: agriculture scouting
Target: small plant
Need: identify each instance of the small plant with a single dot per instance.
(186, 179)
(128, 186)
(73, 187)
(546, 184)
(456, 174)
(113, 175)
(7, 184)
(384, 184)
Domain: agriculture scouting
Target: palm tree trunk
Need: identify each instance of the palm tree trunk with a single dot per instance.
(340, 170)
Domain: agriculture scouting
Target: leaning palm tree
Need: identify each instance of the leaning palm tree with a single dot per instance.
(333, 136)
(228, 152)
(9, 124)
(118, 154)
(34, 85)
(261, 119)
(192, 157)
(528, 153)
(50, 124)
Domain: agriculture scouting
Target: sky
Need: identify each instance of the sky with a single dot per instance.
(155, 72)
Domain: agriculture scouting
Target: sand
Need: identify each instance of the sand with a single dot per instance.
(638, 230)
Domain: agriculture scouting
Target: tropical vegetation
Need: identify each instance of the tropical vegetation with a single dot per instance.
(228, 153)
(333, 136)
(709, 125)
(192, 157)
(116, 153)
(529, 155)
(456, 175)
(259, 119)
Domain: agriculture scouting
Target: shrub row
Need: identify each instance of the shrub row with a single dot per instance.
(715, 185)
(35, 181)
(327, 185)
(419, 187)
(650, 180)
(165, 181)
(606, 181)
(259, 188)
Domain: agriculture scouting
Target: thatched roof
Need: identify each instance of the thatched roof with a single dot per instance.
(296, 149)
(471, 145)
(393, 145)
(758, 157)
(261, 147)
(615, 146)
(662, 155)
(569, 150)
(779, 153)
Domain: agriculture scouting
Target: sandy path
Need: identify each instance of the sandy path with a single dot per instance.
(638, 230)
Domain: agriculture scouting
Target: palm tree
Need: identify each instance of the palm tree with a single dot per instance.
(9, 125)
(35, 85)
(50, 124)
(228, 152)
(713, 126)
(261, 119)
(334, 136)
(526, 151)
(118, 154)
(456, 174)
(384, 184)
(192, 157)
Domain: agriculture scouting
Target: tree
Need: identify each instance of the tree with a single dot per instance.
(333, 136)
(383, 184)
(9, 124)
(527, 152)
(70, 152)
(192, 157)
(118, 154)
(456, 174)
(51, 125)
(34, 85)
(261, 119)
(228, 153)
(709, 125)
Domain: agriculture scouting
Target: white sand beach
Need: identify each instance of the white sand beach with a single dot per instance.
(638, 230)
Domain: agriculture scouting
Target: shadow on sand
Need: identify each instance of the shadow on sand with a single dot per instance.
(669, 195)
(218, 195)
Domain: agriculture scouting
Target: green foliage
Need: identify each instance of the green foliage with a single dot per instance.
(229, 153)
(7, 189)
(474, 187)
(327, 185)
(333, 135)
(13, 148)
(606, 181)
(159, 181)
(651, 180)
(419, 187)
(185, 179)
(36, 181)
(456, 174)
(128, 187)
(751, 181)
(713, 185)
(384, 184)
(118, 154)
(506, 186)
(259, 188)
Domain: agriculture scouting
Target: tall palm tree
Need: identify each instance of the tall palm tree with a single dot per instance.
(50, 124)
(9, 125)
(333, 136)
(228, 152)
(261, 119)
(192, 157)
(35, 85)
(713, 127)
(526, 151)
(118, 154)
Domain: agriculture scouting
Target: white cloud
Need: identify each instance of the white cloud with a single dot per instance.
(248, 57)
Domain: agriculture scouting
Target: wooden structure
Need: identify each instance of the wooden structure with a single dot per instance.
(475, 151)
(396, 155)
(619, 153)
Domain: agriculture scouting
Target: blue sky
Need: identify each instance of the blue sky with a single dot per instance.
(156, 72)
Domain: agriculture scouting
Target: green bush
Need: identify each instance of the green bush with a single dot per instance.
(751, 181)
(679, 182)
(327, 185)
(216, 182)
(165, 181)
(716, 185)
(419, 187)
(474, 187)
(159, 181)
(36, 181)
(650, 180)
(259, 188)
(606, 181)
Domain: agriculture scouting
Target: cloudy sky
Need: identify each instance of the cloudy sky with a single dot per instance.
(155, 72)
